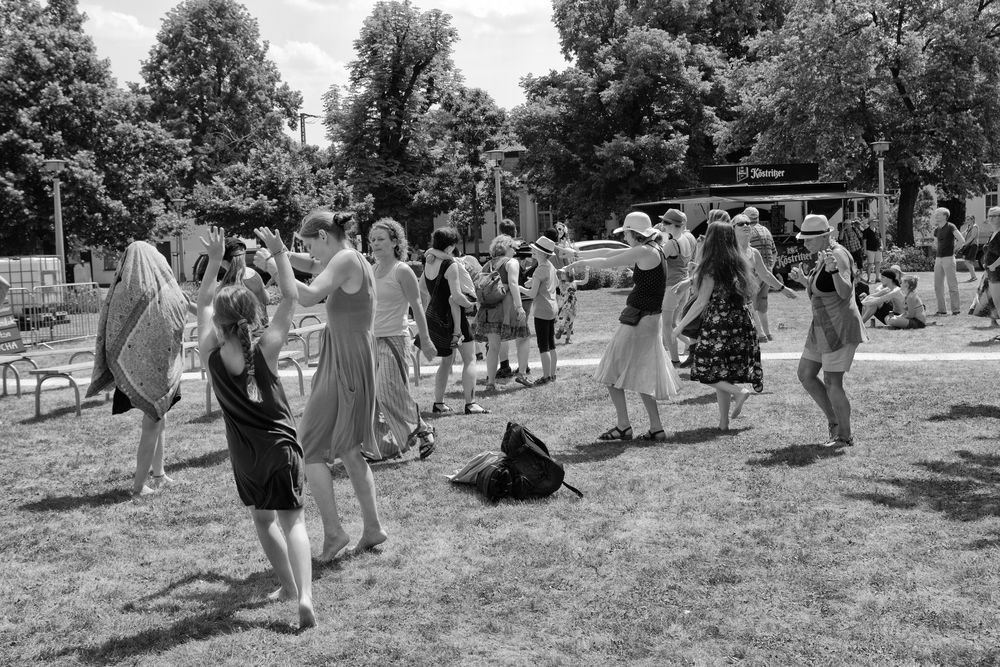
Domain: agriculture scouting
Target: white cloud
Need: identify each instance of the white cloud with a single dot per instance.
(116, 25)
(307, 59)
(484, 9)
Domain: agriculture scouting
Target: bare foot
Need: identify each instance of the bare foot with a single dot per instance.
(160, 481)
(333, 546)
(307, 617)
(144, 491)
(738, 402)
(282, 595)
(370, 541)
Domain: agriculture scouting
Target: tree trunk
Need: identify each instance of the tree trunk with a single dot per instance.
(909, 188)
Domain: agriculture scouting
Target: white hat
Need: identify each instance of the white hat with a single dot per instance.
(812, 226)
(545, 245)
(639, 223)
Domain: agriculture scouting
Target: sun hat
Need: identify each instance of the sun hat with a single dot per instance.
(812, 226)
(752, 213)
(639, 223)
(674, 216)
(544, 245)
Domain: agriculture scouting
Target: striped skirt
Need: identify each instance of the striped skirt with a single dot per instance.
(397, 416)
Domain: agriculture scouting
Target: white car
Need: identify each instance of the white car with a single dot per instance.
(600, 244)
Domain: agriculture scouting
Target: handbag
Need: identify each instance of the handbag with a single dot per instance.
(630, 316)
(693, 328)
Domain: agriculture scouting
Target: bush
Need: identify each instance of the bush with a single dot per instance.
(910, 258)
(599, 278)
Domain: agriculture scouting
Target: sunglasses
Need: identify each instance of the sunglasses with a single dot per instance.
(742, 224)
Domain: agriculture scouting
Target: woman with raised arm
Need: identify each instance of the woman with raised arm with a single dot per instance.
(836, 329)
(260, 430)
(398, 424)
(635, 359)
(340, 412)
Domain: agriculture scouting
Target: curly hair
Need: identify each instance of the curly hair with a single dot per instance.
(721, 259)
(396, 233)
(499, 245)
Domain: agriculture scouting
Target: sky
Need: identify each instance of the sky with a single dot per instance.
(312, 41)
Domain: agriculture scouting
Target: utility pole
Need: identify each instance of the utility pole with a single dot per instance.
(302, 124)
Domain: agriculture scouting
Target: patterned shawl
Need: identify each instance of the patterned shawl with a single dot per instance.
(139, 333)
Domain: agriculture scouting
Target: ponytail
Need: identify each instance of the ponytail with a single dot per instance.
(243, 332)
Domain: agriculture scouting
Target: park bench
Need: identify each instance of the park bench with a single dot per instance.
(66, 372)
(7, 362)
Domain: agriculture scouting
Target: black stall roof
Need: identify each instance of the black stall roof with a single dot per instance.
(739, 194)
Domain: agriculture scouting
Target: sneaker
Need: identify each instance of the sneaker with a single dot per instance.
(504, 372)
(540, 381)
(956, 312)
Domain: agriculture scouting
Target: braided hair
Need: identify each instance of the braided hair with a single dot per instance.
(236, 315)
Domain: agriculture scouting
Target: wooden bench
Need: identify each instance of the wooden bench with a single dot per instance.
(284, 355)
(7, 362)
(66, 372)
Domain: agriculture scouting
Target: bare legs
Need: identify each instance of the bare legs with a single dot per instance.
(287, 549)
(621, 409)
(468, 352)
(149, 454)
(441, 377)
(549, 360)
(728, 394)
(335, 537)
(829, 395)
(493, 346)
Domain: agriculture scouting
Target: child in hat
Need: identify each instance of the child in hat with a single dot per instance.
(542, 291)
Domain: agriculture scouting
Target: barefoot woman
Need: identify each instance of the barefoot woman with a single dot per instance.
(340, 411)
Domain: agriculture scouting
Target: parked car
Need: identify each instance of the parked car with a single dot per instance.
(601, 244)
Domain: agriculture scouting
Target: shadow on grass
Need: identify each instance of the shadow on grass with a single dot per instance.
(701, 399)
(964, 490)
(967, 411)
(211, 417)
(63, 411)
(207, 460)
(62, 503)
(796, 456)
(216, 616)
(984, 343)
(602, 450)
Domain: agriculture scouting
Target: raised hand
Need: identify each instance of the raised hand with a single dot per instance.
(215, 246)
(272, 241)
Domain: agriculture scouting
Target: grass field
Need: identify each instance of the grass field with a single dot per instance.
(753, 547)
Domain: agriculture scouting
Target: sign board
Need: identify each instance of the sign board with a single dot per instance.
(789, 255)
(10, 335)
(758, 174)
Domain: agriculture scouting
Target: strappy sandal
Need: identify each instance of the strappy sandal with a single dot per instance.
(442, 409)
(653, 436)
(475, 409)
(616, 433)
(426, 440)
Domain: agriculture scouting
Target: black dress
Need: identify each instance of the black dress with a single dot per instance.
(263, 448)
(440, 323)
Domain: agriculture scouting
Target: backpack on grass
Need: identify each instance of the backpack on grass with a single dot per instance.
(491, 285)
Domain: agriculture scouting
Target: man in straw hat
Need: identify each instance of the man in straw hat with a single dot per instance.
(836, 329)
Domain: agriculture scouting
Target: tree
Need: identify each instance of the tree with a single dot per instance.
(467, 124)
(923, 75)
(276, 187)
(213, 84)
(59, 100)
(403, 66)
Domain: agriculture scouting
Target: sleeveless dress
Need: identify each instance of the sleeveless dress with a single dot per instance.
(727, 349)
(440, 323)
(634, 359)
(340, 412)
(266, 457)
(836, 321)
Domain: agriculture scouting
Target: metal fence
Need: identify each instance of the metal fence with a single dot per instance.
(50, 313)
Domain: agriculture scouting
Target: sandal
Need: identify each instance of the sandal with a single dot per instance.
(616, 433)
(442, 409)
(426, 440)
(653, 436)
(475, 409)
(522, 380)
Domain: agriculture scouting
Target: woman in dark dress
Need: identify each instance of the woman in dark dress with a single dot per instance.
(260, 430)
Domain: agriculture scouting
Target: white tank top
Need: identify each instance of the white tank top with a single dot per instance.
(391, 305)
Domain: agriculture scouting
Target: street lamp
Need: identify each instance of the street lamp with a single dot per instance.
(54, 167)
(881, 147)
(497, 158)
(178, 203)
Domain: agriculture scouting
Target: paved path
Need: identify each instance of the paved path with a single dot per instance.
(28, 385)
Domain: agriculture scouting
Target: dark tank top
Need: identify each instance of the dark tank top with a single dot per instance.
(255, 431)
(648, 288)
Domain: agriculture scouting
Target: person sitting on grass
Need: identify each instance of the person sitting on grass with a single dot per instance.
(260, 429)
(886, 300)
(913, 313)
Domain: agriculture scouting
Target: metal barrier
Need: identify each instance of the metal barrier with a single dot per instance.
(50, 313)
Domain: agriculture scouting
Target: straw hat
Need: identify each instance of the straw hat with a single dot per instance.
(674, 216)
(814, 225)
(639, 223)
(544, 245)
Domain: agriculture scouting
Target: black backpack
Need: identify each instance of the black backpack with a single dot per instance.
(533, 473)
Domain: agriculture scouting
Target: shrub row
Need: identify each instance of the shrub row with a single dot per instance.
(620, 278)
(910, 258)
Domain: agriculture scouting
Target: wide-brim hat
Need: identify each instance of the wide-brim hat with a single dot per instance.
(639, 223)
(674, 216)
(812, 226)
(544, 245)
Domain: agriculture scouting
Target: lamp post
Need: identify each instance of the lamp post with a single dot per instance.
(497, 158)
(178, 203)
(881, 147)
(54, 167)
